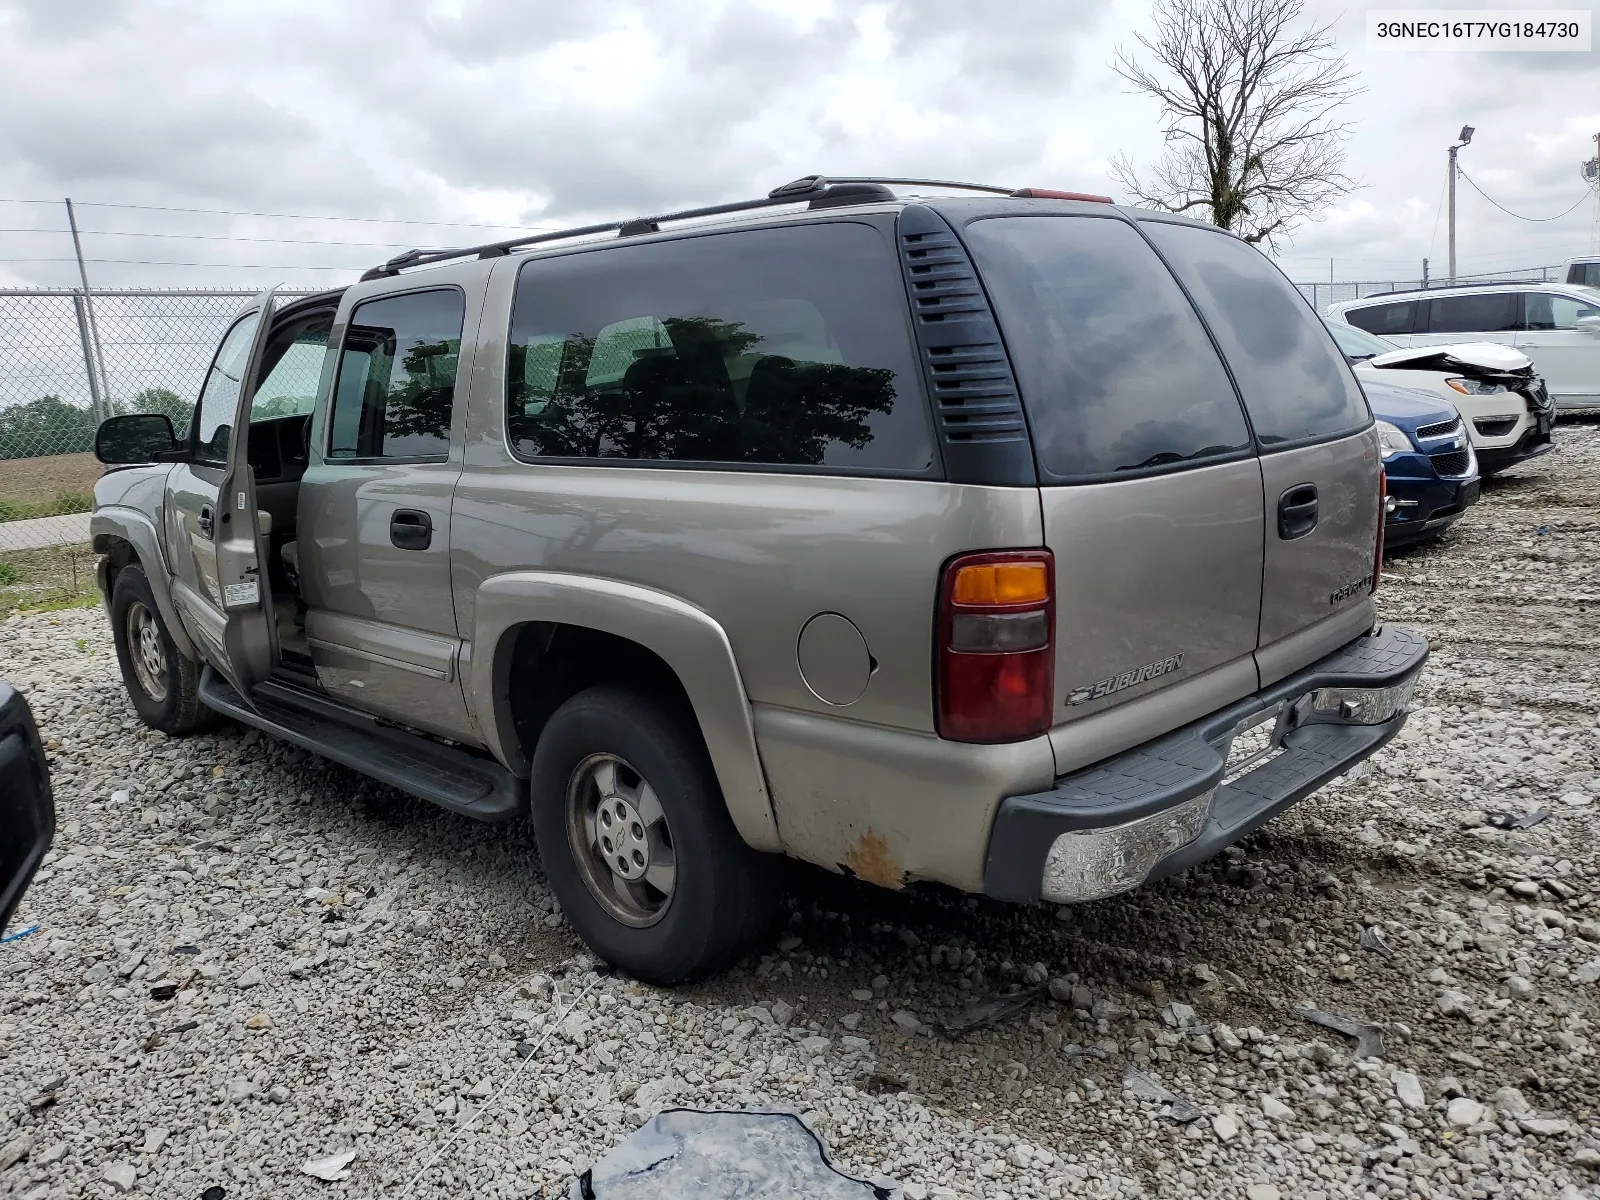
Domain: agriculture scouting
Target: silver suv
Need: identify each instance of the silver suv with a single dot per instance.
(1013, 541)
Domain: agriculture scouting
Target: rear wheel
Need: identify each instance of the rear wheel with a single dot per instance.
(163, 685)
(638, 843)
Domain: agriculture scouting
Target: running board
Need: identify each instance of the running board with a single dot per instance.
(464, 783)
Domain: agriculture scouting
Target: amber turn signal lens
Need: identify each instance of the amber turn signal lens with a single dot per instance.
(1002, 583)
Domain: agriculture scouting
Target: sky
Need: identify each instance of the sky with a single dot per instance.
(444, 117)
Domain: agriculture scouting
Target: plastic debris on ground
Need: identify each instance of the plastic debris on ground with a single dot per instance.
(1372, 939)
(994, 1010)
(20, 934)
(333, 1168)
(700, 1154)
(1147, 1087)
(1503, 820)
(1368, 1038)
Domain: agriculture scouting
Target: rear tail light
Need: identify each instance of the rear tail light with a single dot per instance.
(995, 650)
(1383, 516)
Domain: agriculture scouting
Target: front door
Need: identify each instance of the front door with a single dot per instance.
(219, 585)
(1565, 353)
(374, 515)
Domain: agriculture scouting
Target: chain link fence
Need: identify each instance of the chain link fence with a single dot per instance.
(1323, 294)
(68, 359)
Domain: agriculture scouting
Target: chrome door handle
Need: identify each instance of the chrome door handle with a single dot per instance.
(205, 520)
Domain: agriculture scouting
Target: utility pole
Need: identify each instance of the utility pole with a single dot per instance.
(1424, 273)
(1465, 139)
(1591, 172)
(93, 361)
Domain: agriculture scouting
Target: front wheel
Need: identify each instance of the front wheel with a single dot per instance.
(163, 685)
(637, 842)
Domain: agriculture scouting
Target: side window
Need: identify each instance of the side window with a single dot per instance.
(219, 397)
(1295, 383)
(1496, 312)
(777, 347)
(1547, 311)
(1115, 369)
(397, 377)
(1584, 274)
(293, 366)
(1383, 319)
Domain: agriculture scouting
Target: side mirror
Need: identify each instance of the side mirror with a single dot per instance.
(137, 438)
(1590, 325)
(27, 810)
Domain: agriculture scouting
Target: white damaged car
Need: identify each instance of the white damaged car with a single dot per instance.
(1504, 403)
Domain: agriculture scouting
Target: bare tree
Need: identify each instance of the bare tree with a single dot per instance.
(1249, 109)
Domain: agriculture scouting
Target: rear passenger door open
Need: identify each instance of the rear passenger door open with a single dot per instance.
(1319, 455)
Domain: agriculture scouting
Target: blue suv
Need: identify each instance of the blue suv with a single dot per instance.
(1431, 469)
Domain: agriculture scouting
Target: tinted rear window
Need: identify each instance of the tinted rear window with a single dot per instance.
(1115, 369)
(1384, 318)
(1295, 383)
(783, 347)
(1494, 313)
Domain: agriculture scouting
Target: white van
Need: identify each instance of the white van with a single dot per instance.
(1557, 325)
(1582, 272)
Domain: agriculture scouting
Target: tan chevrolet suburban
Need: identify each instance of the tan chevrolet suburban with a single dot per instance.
(1005, 539)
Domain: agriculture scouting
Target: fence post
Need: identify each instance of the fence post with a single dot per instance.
(99, 358)
(95, 402)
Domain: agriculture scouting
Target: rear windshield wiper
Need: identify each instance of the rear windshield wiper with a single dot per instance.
(1168, 457)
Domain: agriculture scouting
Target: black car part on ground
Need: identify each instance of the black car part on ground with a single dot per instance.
(27, 809)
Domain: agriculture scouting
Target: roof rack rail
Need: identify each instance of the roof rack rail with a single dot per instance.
(845, 189)
(1441, 284)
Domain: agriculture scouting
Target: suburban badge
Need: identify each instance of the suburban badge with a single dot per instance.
(1115, 683)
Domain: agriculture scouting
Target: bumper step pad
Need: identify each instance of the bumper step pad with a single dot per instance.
(464, 783)
(1164, 773)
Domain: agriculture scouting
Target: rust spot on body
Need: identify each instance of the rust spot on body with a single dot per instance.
(870, 859)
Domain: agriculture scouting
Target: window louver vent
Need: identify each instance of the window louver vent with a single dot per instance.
(969, 376)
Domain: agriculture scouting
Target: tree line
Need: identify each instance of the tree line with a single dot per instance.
(51, 425)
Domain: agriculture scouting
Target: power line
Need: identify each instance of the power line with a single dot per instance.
(219, 237)
(1581, 199)
(224, 212)
(138, 262)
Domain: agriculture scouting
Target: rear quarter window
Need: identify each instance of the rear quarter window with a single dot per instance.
(1115, 369)
(782, 348)
(1296, 384)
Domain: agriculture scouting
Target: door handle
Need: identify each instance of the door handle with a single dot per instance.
(411, 529)
(205, 520)
(1297, 511)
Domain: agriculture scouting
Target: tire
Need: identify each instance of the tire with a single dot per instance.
(163, 685)
(723, 895)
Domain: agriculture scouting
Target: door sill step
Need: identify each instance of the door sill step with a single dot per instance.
(464, 783)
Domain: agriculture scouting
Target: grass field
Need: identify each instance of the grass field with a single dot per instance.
(55, 578)
(27, 484)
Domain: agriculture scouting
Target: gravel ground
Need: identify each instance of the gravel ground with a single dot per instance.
(357, 972)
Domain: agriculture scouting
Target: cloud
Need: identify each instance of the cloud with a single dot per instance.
(544, 111)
